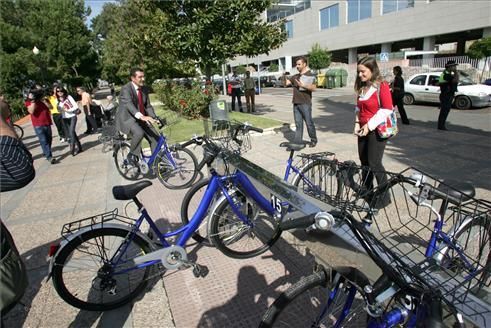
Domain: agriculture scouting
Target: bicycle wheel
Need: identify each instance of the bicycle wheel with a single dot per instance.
(125, 169)
(18, 130)
(312, 303)
(474, 240)
(235, 238)
(181, 175)
(319, 179)
(189, 206)
(84, 277)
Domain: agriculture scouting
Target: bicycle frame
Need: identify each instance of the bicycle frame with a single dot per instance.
(217, 182)
(161, 147)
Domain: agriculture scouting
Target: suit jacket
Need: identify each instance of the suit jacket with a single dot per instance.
(128, 107)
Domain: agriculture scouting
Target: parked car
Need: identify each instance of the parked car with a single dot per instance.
(424, 87)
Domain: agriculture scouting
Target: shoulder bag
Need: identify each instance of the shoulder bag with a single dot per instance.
(388, 128)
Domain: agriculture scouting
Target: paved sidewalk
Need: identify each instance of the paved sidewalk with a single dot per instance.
(236, 292)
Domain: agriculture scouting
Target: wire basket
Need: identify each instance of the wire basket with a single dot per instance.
(97, 220)
(405, 215)
(225, 135)
(338, 184)
(171, 118)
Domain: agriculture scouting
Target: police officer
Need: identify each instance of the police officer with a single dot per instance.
(448, 86)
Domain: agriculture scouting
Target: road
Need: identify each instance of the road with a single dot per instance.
(476, 120)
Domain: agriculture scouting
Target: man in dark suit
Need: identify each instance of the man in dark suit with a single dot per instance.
(135, 114)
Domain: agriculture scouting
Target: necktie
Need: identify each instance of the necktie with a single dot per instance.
(140, 101)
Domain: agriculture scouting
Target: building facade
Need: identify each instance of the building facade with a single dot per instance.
(352, 28)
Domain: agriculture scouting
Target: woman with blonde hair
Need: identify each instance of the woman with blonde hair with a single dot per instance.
(373, 106)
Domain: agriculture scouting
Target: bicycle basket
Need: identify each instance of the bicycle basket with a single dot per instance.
(225, 135)
(456, 261)
(339, 184)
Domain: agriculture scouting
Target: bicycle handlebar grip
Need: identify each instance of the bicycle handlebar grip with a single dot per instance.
(302, 222)
(252, 128)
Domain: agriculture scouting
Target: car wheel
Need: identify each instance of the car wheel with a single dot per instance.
(462, 102)
(408, 99)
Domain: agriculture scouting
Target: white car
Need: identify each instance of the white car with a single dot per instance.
(424, 87)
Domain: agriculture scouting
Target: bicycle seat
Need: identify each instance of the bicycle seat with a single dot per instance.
(457, 191)
(290, 146)
(128, 192)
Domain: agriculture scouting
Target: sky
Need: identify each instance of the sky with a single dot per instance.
(96, 6)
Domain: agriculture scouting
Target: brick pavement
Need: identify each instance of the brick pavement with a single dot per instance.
(236, 292)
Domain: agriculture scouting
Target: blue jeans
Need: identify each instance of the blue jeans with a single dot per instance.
(45, 138)
(303, 112)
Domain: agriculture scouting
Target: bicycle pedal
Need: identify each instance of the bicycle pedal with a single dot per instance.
(200, 270)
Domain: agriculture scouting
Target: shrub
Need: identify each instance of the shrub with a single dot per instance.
(190, 100)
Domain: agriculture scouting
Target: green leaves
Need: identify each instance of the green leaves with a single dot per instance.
(318, 57)
(480, 49)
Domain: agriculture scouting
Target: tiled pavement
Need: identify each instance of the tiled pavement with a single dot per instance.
(236, 292)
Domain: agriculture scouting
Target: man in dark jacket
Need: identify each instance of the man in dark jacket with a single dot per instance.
(448, 87)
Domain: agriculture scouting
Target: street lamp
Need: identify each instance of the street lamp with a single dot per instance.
(36, 52)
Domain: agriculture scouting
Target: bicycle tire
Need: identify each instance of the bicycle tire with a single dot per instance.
(324, 187)
(189, 205)
(18, 130)
(125, 169)
(474, 239)
(63, 279)
(305, 302)
(173, 178)
(229, 234)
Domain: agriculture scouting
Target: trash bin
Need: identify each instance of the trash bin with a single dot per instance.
(218, 110)
(331, 75)
(321, 80)
(343, 77)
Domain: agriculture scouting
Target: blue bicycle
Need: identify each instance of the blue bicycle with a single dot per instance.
(104, 261)
(174, 166)
(435, 263)
(312, 173)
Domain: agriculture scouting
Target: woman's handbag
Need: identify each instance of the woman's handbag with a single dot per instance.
(388, 128)
(77, 111)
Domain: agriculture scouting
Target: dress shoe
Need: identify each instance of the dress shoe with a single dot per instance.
(312, 143)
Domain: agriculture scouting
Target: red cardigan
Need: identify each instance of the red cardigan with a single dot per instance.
(368, 105)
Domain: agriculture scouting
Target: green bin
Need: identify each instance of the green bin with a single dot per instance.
(336, 78)
(331, 78)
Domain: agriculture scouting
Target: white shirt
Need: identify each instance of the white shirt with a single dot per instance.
(138, 115)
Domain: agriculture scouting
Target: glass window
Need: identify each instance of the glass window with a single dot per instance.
(289, 29)
(329, 17)
(287, 8)
(419, 80)
(389, 6)
(359, 9)
(433, 80)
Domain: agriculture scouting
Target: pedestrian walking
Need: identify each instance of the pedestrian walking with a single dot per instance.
(236, 84)
(370, 113)
(448, 82)
(69, 108)
(57, 116)
(398, 93)
(303, 84)
(38, 107)
(90, 118)
(250, 92)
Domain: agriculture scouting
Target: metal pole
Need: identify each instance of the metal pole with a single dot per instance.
(258, 74)
(224, 84)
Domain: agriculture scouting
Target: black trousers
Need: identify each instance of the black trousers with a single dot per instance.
(397, 100)
(371, 151)
(446, 100)
(60, 127)
(236, 94)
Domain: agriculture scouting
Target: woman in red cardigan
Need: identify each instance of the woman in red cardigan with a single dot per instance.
(369, 114)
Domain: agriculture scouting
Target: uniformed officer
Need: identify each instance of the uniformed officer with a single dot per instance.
(448, 87)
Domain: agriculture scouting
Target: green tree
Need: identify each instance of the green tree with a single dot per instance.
(214, 31)
(318, 57)
(57, 28)
(273, 67)
(481, 49)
